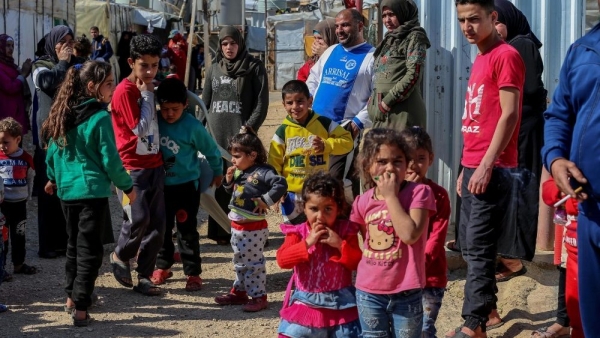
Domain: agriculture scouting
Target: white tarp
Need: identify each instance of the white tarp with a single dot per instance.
(27, 21)
(288, 31)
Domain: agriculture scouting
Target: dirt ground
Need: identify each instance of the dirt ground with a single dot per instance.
(36, 302)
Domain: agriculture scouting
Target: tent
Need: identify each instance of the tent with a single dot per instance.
(27, 21)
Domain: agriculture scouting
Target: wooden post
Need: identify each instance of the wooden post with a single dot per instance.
(190, 40)
(206, 35)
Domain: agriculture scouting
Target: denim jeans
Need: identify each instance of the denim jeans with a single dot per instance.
(432, 301)
(394, 315)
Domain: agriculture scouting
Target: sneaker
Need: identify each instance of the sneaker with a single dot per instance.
(256, 304)
(194, 283)
(232, 298)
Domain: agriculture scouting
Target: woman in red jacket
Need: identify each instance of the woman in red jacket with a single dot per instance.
(324, 34)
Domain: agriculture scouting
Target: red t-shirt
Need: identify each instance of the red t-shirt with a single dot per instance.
(136, 152)
(500, 67)
(435, 253)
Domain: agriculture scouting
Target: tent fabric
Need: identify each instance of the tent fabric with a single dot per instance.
(142, 16)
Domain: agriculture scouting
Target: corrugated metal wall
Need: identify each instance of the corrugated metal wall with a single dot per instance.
(557, 23)
(27, 21)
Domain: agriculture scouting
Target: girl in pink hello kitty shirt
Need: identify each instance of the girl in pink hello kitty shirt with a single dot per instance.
(393, 215)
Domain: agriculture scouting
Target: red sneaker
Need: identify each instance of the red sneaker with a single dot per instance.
(256, 304)
(194, 283)
(232, 298)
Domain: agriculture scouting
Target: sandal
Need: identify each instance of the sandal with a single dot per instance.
(194, 283)
(146, 288)
(25, 270)
(3, 308)
(458, 333)
(494, 326)
(543, 332)
(121, 271)
(505, 276)
(81, 322)
(451, 245)
(160, 276)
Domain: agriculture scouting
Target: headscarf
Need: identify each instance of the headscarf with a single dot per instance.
(4, 58)
(53, 38)
(243, 62)
(407, 13)
(515, 21)
(326, 29)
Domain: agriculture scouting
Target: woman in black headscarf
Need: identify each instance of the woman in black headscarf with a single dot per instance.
(48, 73)
(518, 242)
(236, 94)
(396, 101)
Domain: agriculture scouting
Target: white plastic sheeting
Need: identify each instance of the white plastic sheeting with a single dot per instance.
(287, 32)
(27, 21)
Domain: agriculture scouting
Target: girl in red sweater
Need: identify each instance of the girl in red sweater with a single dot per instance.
(323, 252)
(567, 235)
(435, 253)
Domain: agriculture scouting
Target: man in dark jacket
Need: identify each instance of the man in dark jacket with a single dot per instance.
(101, 48)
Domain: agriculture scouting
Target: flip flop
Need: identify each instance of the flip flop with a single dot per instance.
(458, 333)
(25, 270)
(506, 277)
(495, 326)
(543, 332)
(146, 288)
(451, 245)
(121, 271)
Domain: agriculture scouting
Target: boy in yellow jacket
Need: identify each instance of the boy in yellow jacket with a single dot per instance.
(302, 145)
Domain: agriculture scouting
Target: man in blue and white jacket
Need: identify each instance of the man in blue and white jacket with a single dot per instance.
(572, 154)
(341, 83)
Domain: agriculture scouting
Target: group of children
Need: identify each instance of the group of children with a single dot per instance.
(152, 159)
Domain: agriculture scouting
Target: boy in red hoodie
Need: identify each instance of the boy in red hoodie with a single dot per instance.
(435, 254)
(551, 194)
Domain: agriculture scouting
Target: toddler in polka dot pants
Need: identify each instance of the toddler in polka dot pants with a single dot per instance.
(255, 186)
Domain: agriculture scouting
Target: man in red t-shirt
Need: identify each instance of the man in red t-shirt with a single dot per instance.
(490, 130)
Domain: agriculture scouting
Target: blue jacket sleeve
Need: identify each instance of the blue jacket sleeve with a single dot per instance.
(560, 118)
(108, 52)
(205, 144)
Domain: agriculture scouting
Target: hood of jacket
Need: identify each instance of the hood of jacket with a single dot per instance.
(83, 111)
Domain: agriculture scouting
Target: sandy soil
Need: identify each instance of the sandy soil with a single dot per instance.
(36, 302)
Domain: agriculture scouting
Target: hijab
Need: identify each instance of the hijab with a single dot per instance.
(52, 39)
(515, 21)
(243, 63)
(407, 13)
(326, 29)
(5, 58)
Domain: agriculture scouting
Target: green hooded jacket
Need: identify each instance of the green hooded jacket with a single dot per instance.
(86, 165)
